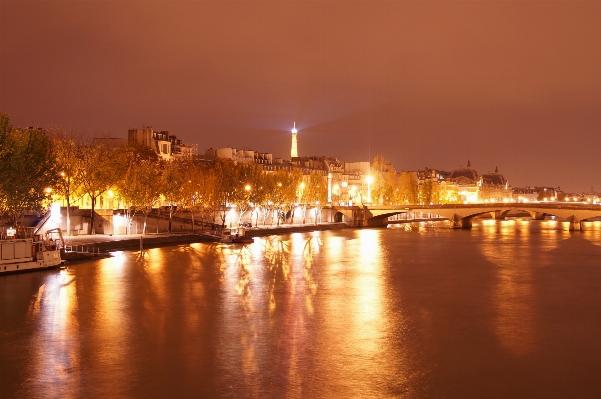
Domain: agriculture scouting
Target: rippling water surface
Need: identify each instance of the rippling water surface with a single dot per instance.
(509, 309)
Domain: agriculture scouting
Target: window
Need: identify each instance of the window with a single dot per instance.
(344, 184)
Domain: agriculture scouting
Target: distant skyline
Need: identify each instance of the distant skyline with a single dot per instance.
(513, 85)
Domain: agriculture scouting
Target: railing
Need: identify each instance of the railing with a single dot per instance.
(81, 249)
(42, 222)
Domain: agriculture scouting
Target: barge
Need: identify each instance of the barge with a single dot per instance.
(22, 250)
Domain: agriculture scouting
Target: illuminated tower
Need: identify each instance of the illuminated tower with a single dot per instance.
(294, 149)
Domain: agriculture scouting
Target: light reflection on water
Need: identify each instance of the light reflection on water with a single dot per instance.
(508, 309)
(513, 294)
(57, 357)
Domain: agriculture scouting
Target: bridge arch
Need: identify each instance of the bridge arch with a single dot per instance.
(461, 215)
(338, 217)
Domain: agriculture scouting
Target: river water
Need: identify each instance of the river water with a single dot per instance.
(508, 309)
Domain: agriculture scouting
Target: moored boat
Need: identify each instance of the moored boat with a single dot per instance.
(239, 236)
(234, 235)
(21, 250)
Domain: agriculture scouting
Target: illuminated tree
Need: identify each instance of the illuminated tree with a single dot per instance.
(425, 192)
(291, 181)
(224, 189)
(443, 194)
(265, 201)
(259, 194)
(316, 192)
(171, 185)
(139, 187)
(408, 191)
(300, 193)
(67, 145)
(27, 169)
(100, 168)
(248, 177)
(384, 179)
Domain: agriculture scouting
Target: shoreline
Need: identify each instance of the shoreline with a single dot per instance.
(88, 247)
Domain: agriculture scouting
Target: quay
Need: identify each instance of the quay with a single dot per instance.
(84, 247)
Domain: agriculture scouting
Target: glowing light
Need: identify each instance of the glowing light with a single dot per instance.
(247, 187)
(294, 148)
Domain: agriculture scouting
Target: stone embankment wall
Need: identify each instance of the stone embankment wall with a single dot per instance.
(109, 221)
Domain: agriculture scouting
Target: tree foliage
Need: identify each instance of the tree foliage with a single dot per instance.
(408, 190)
(384, 180)
(28, 169)
(100, 168)
(139, 186)
(316, 192)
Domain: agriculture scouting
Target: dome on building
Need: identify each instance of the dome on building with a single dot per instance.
(494, 178)
(468, 175)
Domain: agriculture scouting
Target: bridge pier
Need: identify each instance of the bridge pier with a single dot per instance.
(537, 215)
(461, 223)
(575, 223)
(498, 215)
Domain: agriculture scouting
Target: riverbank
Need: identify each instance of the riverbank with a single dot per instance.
(84, 247)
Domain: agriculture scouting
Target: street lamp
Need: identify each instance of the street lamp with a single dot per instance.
(369, 180)
(301, 189)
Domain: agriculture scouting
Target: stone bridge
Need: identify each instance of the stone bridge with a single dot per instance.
(461, 215)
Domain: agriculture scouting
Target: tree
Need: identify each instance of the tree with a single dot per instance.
(28, 169)
(407, 193)
(384, 179)
(247, 179)
(425, 192)
(542, 194)
(300, 193)
(291, 181)
(267, 200)
(259, 194)
(207, 199)
(224, 189)
(442, 194)
(139, 188)
(66, 145)
(100, 167)
(316, 192)
(171, 184)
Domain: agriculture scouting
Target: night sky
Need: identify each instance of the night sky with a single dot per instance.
(510, 84)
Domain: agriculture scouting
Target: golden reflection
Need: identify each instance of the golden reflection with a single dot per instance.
(240, 281)
(592, 232)
(508, 248)
(368, 293)
(513, 296)
(356, 266)
(57, 356)
(274, 277)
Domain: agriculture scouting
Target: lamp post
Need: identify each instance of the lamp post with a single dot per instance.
(369, 180)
